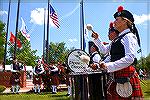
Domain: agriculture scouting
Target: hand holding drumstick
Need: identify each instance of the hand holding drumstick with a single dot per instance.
(90, 28)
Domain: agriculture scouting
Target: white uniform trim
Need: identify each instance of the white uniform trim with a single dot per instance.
(55, 69)
(42, 68)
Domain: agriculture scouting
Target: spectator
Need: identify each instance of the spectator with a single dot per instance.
(141, 74)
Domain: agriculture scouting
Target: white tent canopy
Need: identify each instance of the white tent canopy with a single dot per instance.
(28, 68)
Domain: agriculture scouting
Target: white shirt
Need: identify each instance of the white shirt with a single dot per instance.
(140, 72)
(129, 41)
(55, 69)
(42, 68)
(96, 59)
(107, 59)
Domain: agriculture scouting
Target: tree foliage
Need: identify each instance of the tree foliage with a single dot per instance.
(24, 54)
(147, 62)
(144, 63)
(57, 52)
(2, 40)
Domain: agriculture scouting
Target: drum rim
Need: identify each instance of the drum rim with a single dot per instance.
(70, 53)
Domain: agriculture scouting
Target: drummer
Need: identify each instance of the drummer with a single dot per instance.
(122, 52)
(95, 86)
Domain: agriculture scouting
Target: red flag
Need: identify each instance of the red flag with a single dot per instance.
(19, 43)
(12, 38)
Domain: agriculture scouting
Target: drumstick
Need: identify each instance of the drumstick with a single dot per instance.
(90, 27)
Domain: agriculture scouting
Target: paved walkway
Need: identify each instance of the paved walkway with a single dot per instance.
(20, 91)
(30, 85)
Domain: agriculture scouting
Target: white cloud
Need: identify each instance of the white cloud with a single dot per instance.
(3, 12)
(141, 19)
(37, 17)
(70, 13)
(72, 40)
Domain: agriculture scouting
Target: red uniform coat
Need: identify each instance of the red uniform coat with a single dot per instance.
(37, 79)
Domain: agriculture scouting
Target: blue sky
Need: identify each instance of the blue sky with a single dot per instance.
(96, 12)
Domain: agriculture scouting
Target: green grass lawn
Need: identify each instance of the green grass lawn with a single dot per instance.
(146, 88)
(62, 95)
(32, 96)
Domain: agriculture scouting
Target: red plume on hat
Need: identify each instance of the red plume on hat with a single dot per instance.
(105, 43)
(120, 8)
(111, 28)
(111, 25)
(124, 13)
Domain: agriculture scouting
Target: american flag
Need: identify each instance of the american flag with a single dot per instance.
(54, 17)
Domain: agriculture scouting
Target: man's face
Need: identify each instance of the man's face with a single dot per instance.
(39, 62)
(112, 35)
(92, 49)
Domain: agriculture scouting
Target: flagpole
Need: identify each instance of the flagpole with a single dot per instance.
(15, 47)
(83, 79)
(7, 34)
(82, 26)
(47, 40)
(44, 34)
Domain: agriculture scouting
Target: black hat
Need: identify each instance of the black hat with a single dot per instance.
(93, 45)
(112, 29)
(124, 13)
(129, 16)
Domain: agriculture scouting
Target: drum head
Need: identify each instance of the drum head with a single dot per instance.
(75, 61)
(124, 90)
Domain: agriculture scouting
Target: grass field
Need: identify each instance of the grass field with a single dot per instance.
(32, 96)
(62, 95)
(146, 88)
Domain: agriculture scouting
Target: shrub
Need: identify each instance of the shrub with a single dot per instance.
(2, 88)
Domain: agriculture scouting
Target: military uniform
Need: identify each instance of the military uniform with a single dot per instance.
(37, 78)
(95, 83)
(15, 81)
(54, 78)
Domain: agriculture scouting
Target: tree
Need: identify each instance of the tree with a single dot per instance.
(2, 40)
(24, 54)
(58, 52)
(147, 65)
(144, 63)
